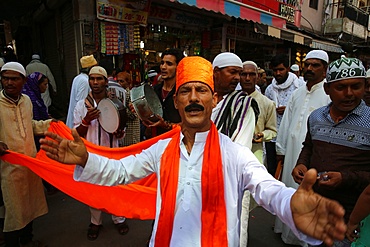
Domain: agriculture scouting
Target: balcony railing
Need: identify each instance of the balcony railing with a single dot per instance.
(343, 9)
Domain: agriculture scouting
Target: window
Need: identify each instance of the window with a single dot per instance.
(314, 4)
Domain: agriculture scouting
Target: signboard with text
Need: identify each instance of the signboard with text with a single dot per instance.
(135, 12)
(285, 8)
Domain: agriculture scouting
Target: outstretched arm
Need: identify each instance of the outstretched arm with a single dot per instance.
(315, 215)
(64, 150)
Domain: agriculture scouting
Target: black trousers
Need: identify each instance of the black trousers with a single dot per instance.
(271, 157)
(23, 236)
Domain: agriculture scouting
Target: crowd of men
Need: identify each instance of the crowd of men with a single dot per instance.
(233, 134)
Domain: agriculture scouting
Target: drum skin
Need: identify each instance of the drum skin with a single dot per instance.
(146, 103)
(113, 115)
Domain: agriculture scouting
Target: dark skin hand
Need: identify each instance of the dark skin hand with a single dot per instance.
(298, 173)
(92, 113)
(334, 179)
(160, 123)
(3, 148)
(280, 110)
(258, 138)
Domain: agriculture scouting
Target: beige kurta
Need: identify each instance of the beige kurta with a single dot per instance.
(266, 122)
(23, 192)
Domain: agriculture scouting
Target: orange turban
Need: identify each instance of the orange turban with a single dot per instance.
(194, 69)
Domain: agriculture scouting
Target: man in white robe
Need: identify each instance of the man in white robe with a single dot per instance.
(234, 116)
(293, 127)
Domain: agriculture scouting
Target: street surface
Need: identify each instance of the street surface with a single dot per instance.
(67, 221)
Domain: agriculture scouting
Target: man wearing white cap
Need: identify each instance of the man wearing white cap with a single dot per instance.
(293, 126)
(80, 86)
(237, 124)
(23, 192)
(337, 141)
(87, 125)
(37, 66)
(234, 115)
(296, 70)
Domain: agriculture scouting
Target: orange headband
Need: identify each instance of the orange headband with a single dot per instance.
(194, 69)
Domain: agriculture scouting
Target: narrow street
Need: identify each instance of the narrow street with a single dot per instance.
(67, 222)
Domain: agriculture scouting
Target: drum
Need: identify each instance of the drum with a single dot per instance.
(113, 115)
(146, 103)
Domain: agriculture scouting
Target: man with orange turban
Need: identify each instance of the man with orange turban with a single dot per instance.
(202, 175)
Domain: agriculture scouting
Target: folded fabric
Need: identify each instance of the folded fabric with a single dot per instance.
(136, 200)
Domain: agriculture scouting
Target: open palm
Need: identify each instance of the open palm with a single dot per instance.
(316, 215)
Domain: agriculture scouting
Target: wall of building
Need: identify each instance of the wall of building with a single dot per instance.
(312, 18)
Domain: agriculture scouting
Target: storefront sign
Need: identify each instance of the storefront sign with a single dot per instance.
(170, 14)
(123, 11)
(287, 11)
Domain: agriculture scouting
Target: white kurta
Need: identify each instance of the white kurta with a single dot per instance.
(241, 171)
(280, 93)
(93, 129)
(80, 89)
(292, 132)
(244, 137)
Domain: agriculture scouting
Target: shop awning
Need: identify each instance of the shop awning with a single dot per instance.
(326, 46)
(284, 34)
(238, 10)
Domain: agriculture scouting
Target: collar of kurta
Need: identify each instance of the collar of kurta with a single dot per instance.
(213, 215)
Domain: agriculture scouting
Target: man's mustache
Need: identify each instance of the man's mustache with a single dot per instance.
(309, 73)
(194, 106)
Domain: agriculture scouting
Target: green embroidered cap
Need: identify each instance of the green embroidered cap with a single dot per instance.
(345, 68)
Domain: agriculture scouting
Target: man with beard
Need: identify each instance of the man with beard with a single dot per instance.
(293, 126)
(87, 125)
(165, 91)
(266, 124)
(279, 91)
(235, 115)
(202, 175)
(337, 140)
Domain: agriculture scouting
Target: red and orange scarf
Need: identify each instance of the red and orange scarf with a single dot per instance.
(213, 217)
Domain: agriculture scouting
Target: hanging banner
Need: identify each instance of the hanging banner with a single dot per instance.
(134, 12)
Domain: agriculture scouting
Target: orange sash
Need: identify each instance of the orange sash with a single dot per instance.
(136, 200)
(213, 217)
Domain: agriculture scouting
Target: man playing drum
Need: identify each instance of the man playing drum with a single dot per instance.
(87, 125)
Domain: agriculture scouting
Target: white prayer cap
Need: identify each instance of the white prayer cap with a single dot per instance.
(152, 73)
(368, 73)
(318, 54)
(14, 66)
(294, 67)
(250, 63)
(227, 59)
(98, 70)
(36, 56)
